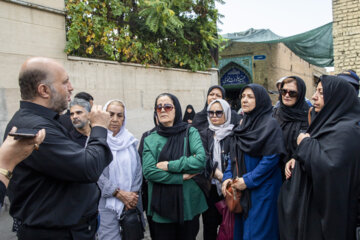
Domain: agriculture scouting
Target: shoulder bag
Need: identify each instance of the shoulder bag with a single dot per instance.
(131, 225)
(233, 196)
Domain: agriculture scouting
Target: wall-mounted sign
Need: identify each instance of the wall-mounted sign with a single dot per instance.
(234, 76)
(259, 57)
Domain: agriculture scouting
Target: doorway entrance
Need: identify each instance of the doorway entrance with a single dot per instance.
(233, 78)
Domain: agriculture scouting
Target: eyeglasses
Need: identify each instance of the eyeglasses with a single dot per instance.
(167, 107)
(291, 93)
(218, 114)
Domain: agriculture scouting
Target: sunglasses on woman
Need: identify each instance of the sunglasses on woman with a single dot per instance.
(291, 93)
(218, 114)
(167, 107)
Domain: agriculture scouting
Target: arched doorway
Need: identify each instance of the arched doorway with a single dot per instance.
(233, 78)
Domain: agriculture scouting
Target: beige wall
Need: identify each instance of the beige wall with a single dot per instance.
(346, 35)
(280, 61)
(28, 31)
(138, 87)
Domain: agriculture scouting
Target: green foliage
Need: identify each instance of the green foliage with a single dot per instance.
(171, 33)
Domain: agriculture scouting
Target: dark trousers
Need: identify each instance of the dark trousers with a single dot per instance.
(83, 231)
(175, 231)
(211, 217)
(151, 225)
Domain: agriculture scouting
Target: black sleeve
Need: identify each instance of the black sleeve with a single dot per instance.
(2, 193)
(61, 158)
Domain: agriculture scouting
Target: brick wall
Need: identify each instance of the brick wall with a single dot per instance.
(346, 34)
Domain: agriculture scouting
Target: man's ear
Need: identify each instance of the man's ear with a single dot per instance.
(43, 91)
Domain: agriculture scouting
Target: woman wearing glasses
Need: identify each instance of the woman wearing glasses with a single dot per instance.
(200, 121)
(255, 150)
(217, 148)
(292, 115)
(120, 182)
(323, 201)
(175, 200)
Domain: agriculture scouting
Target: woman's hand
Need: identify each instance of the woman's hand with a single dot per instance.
(289, 167)
(163, 165)
(129, 199)
(301, 137)
(187, 176)
(239, 184)
(218, 175)
(224, 184)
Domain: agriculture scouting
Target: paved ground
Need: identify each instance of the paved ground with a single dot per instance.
(6, 225)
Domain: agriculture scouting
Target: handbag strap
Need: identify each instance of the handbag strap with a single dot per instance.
(236, 162)
(309, 115)
(187, 142)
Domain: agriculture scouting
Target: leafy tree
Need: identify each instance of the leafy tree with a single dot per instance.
(171, 33)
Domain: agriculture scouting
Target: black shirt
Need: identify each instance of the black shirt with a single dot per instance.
(65, 120)
(78, 137)
(55, 186)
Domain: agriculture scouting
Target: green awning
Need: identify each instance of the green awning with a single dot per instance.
(314, 46)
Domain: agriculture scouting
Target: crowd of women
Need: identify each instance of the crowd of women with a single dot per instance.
(298, 169)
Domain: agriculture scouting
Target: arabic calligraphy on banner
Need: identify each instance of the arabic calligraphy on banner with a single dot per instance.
(234, 76)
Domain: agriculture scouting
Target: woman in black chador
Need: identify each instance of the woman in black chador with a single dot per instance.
(189, 114)
(292, 115)
(320, 200)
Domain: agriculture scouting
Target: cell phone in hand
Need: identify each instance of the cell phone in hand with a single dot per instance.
(24, 133)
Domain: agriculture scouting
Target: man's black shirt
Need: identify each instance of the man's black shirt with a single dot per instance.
(56, 186)
(78, 137)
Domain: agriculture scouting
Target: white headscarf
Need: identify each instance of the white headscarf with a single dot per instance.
(221, 131)
(122, 169)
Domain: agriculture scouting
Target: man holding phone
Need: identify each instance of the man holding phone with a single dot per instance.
(53, 192)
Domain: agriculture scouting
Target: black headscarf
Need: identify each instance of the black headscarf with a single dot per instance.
(187, 115)
(167, 199)
(320, 200)
(200, 121)
(292, 119)
(258, 135)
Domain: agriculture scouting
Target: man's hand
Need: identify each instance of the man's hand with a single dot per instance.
(163, 165)
(289, 167)
(301, 137)
(129, 199)
(98, 117)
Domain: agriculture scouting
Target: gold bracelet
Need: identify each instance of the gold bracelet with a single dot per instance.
(6, 173)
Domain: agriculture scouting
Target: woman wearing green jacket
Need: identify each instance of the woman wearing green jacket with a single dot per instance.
(175, 200)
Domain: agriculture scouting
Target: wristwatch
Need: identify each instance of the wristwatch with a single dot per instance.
(6, 173)
(116, 192)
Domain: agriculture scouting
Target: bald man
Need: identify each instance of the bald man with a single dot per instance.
(53, 192)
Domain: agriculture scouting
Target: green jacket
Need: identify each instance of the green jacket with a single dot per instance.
(194, 198)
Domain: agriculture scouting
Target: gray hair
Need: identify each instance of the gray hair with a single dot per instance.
(81, 102)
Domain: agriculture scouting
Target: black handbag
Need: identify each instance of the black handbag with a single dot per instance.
(131, 225)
